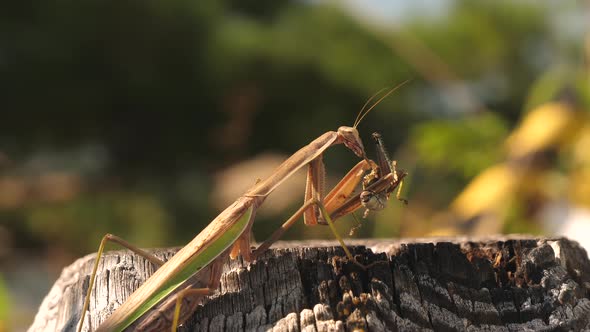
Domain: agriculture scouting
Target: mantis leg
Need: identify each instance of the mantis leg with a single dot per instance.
(214, 281)
(185, 293)
(112, 238)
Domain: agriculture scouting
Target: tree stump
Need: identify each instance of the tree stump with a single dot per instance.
(452, 284)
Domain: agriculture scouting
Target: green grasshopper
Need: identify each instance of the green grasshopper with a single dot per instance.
(194, 272)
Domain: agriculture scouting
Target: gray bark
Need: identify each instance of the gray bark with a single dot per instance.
(452, 284)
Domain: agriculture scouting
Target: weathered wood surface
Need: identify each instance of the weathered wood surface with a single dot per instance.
(455, 284)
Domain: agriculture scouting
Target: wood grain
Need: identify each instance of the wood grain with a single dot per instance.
(498, 283)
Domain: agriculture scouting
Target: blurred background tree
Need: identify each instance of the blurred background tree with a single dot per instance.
(145, 118)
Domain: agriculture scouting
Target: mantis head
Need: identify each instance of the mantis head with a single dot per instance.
(351, 139)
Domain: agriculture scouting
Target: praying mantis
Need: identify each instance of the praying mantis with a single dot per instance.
(172, 293)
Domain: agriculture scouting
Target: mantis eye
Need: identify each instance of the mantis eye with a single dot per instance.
(350, 137)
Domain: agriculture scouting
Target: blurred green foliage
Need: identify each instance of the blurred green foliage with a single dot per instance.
(473, 138)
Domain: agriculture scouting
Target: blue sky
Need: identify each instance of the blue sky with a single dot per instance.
(392, 11)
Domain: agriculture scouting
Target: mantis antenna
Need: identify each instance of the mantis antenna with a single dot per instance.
(360, 115)
(364, 112)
